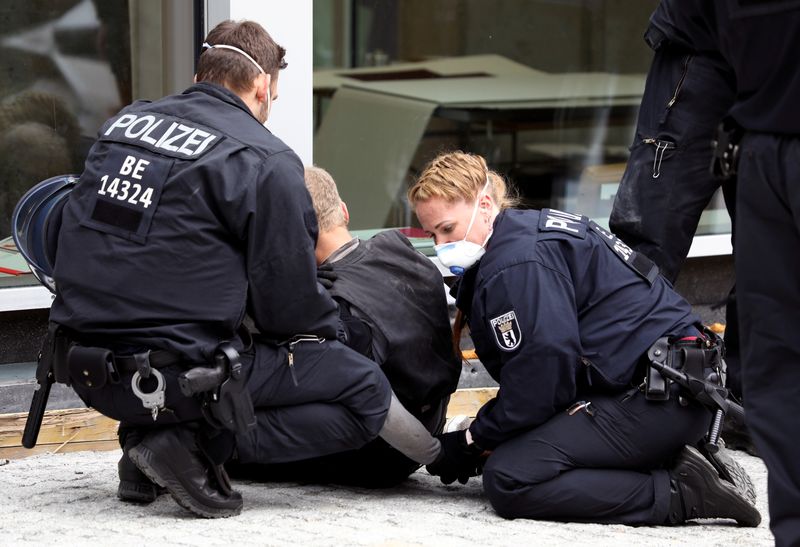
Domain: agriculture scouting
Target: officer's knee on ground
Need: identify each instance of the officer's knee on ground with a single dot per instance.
(500, 488)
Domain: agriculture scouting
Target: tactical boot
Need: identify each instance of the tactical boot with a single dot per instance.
(730, 470)
(172, 459)
(134, 486)
(698, 492)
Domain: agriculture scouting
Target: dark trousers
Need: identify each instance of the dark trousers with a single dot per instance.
(375, 465)
(606, 468)
(767, 259)
(333, 400)
(667, 182)
(339, 402)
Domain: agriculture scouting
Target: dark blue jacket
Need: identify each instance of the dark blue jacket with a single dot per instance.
(759, 41)
(556, 313)
(189, 214)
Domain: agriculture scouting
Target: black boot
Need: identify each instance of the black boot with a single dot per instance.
(134, 485)
(730, 470)
(698, 492)
(171, 458)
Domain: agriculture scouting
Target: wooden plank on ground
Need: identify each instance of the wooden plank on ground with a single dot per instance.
(17, 452)
(468, 401)
(86, 429)
(60, 428)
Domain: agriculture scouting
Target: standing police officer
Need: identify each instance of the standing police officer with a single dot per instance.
(667, 182)
(562, 314)
(760, 41)
(189, 215)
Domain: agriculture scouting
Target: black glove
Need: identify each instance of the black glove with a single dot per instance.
(326, 277)
(458, 461)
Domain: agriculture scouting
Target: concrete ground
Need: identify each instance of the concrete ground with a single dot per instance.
(70, 499)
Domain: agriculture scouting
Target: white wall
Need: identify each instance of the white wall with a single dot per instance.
(290, 24)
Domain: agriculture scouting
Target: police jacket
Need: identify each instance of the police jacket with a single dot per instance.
(559, 307)
(759, 40)
(189, 214)
(399, 293)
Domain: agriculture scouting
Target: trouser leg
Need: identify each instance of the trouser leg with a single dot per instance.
(768, 288)
(331, 400)
(663, 193)
(603, 468)
(375, 465)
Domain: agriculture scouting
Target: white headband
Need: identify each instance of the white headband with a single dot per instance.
(236, 49)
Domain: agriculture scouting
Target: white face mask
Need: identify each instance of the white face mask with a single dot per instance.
(459, 256)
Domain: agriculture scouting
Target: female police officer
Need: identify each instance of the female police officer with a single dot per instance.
(561, 314)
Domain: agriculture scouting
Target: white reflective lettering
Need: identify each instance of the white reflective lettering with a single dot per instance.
(204, 144)
(166, 135)
(167, 144)
(141, 125)
(569, 216)
(146, 137)
(123, 121)
(193, 139)
(140, 166)
(559, 223)
(127, 165)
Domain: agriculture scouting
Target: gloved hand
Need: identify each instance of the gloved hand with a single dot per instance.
(326, 277)
(458, 461)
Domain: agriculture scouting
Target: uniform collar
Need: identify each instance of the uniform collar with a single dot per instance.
(219, 92)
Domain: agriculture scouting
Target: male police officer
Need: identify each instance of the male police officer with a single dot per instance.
(760, 40)
(667, 182)
(392, 302)
(188, 215)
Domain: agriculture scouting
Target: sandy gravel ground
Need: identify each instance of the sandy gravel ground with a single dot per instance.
(69, 499)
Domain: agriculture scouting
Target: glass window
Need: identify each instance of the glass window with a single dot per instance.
(547, 90)
(65, 67)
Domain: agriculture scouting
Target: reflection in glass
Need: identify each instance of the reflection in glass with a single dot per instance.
(546, 90)
(64, 69)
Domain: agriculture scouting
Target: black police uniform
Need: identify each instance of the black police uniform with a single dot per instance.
(667, 182)
(561, 312)
(760, 41)
(399, 294)
(188, 215)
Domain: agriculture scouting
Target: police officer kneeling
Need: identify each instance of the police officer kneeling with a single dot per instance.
(566, 317)
(188, 215)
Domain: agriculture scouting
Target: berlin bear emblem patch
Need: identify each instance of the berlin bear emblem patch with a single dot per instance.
(506, 331)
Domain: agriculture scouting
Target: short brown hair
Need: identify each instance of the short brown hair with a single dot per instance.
(232, 69)
(325, 197)
(456, 176)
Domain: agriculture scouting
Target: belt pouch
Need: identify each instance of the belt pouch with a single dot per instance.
(89, 367)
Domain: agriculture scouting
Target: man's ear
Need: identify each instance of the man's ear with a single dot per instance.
(194, 79)
(346, 213)
(261, 85)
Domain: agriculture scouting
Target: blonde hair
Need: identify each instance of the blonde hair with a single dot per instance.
(325, 197)
(456, 176)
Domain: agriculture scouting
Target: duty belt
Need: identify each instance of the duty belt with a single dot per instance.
(157, 358)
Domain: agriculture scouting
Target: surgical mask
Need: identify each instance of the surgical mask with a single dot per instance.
(459, 256)
(258, 66)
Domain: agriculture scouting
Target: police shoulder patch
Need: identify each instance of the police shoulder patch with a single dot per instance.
(506, 330)
(553, 220)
